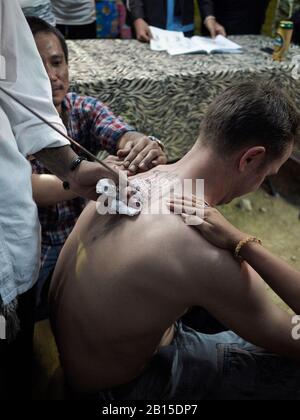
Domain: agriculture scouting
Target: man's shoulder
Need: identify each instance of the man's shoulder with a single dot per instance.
(74, 100)
(169, 232)
(193, 248)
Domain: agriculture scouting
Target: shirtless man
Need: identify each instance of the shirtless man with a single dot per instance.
(122, 284)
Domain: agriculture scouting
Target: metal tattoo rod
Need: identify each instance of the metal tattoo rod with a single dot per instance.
(40, 117)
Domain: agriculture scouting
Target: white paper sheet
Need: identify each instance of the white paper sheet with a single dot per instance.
(198, 44)
(162, 40)
(175, 43)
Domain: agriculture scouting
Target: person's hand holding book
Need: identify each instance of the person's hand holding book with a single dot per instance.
(143, 32)
(214, 27)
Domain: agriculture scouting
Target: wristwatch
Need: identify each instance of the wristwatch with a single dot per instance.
(159, 142)
(76, 162)
(74, 165)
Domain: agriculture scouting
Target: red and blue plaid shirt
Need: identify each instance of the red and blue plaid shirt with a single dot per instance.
(96, 128)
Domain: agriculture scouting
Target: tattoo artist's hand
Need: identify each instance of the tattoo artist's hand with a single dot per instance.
(140, 153)
(118, 165)
(214, 27)
(213, 226)
(142, 29)
(115, 163)
(84, 179)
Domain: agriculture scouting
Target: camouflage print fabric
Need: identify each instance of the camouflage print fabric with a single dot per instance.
(167, 96)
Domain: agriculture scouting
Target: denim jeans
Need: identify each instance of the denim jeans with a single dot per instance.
(212, 367)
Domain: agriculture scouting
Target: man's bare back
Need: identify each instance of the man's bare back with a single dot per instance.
(117, 290)
(121, 284)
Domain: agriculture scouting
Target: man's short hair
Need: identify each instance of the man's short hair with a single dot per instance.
(251, 114)
(39, 25)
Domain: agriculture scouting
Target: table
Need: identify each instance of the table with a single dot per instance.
(167, 96)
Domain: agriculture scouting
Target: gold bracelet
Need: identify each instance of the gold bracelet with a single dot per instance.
(244, 242)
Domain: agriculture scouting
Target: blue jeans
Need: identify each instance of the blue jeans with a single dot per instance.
(212, 367)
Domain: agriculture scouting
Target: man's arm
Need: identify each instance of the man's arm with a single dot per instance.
(83, 180)
(57, 160)
(238, 298)
(206, 8)
(136, 10)
(105, 131)
(216, 229)
(208, 18)
(279, 275)
(48, 190)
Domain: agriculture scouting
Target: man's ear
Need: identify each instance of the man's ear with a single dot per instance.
(254, 156)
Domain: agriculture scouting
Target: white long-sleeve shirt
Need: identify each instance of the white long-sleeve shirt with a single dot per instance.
(21, 134)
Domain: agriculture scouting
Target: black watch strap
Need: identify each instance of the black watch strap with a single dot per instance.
(74, 165)
(76, 162)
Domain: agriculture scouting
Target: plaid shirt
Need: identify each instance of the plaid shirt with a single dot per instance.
(94, 126)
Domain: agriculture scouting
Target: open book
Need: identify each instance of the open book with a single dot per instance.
(175, 43)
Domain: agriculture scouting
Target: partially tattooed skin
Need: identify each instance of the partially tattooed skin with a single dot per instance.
(157, 187)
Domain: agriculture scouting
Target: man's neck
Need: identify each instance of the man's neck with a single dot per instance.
(63, 113)
(201, 163)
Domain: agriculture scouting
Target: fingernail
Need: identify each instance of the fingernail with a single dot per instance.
(142, 165)
(132, 168)
(126, 164)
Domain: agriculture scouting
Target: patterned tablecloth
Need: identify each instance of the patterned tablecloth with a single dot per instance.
(167, 96)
